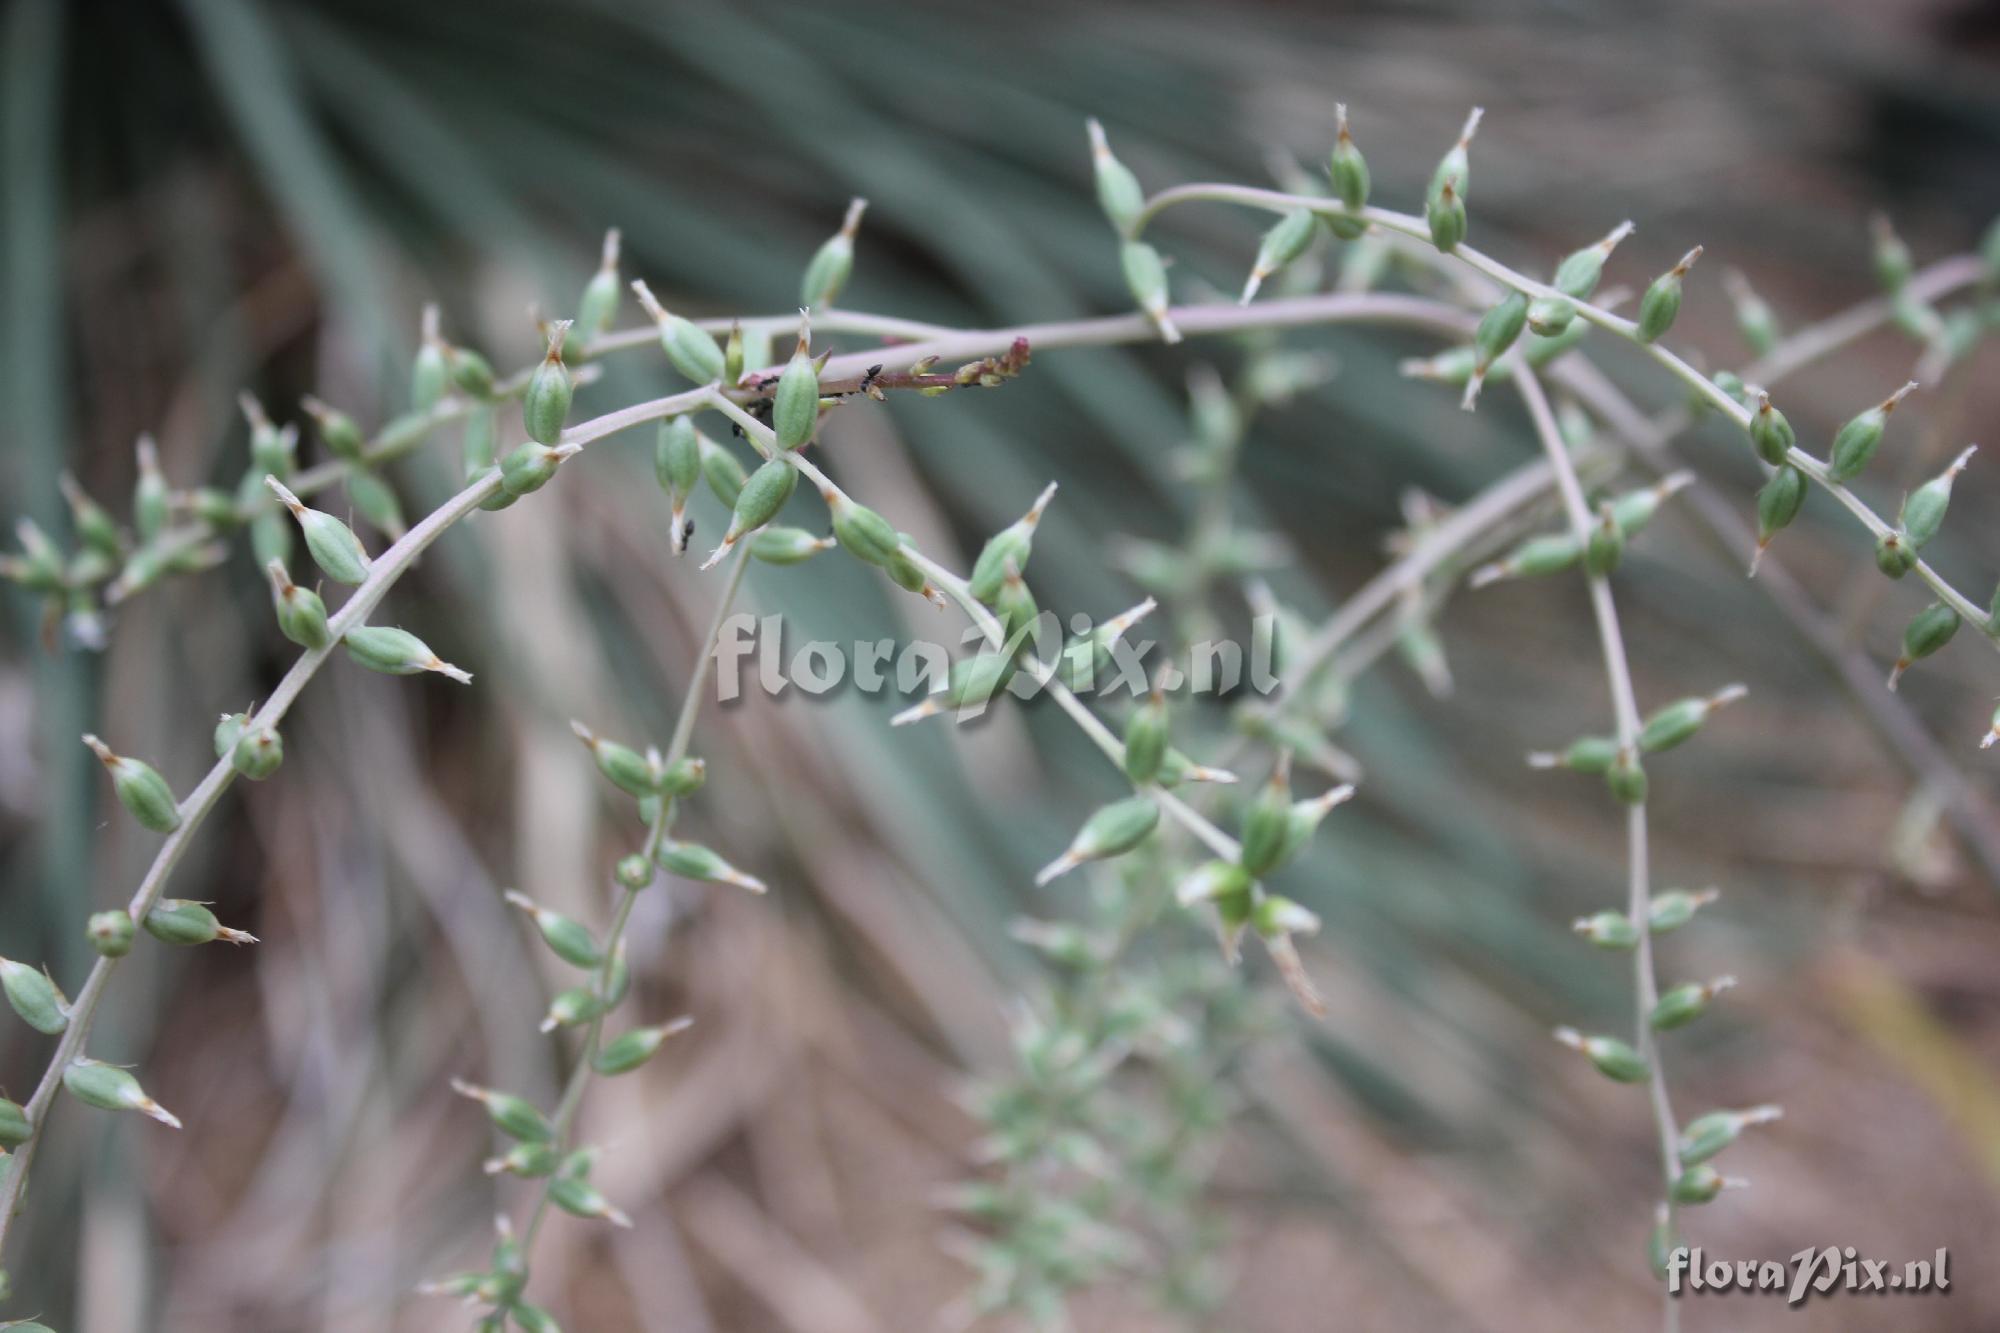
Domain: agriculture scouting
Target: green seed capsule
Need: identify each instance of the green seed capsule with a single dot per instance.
(1924, 508)
(532, 466)
(677, 465)
(721, 470)
(34, 997)
(1306, 817)
(1858, 440)
(580, 1198)
(1446, 216)
(795, 402)
(1770, 434)
(429, 376)
(1614, 1059)
(1754, 319)
(598, 305)
(1347, 171)
(691, 860)
(634, 872)
(1010, 546)
(787, 546)
(969, 687)
(470, 371)
(337, 431)
(15, 1128)
(1680, 720)
(862, 532)
(151, 497)
(1588, 754)
(271, 537)
(693, 353)
(1626, 778)
(1444, 203)
(1606, 546)
(1778, 503)
(301, 613)
(1894, 555)
(511, 1115)
(476, 442)
(335, 548)
(1698, 1185)
(1551, 315)
(1118, 192)
(1498, 329)
(1635, 509)
(257, 752)
(397, 652)
(1266, 824)
(95, 527)
(569, 938)
(1661, 304)
(228, 731)
(271, 450)
(762, 496)
(1214, 882)
(528, 1160)
(1673, 909)
(1608, 930)
(1146, 739)
(1277, 917)
(1683, 1004)
(1706, 1135)
(1112, 831)
(826, 276)
(1930, 630)
(110, 1088)
(631, 772)
(111, 933)
(141, 790)
(545, 402)
(1283, 243)
(684, 777)
(1893, 264)
(39, 567)
(627, 1051)
(1146, 278)
(1533, 558)
(180, 921)
(1016, 610)
(573, 1008)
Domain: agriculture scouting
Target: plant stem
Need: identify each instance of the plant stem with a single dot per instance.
(1625, 710)
(386, 569)
(579, 1079)
(1408, 225)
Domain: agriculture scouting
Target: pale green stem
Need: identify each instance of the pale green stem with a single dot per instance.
(1408, 225)
(1625, 710)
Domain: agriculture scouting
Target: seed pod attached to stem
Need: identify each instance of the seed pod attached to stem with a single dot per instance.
(398, 652)
(826, 276)
(762, 496)
(599, 303)
(677, 464)
(1924, 508)
(1444, 205)
(1011, 545)
(140, 789)
(151, 497)
(690, 351)
(1576, 278)
(1753, 317)
(335, 548)
(187, 923)
(1858, 440)
(1930, 630)
(569, 938)
(1680, 720)
(795, 402)
(34, 996)
(1778, 503)
(1614, 1059)
(545, 402)
(1283, 243)
(1146, 278)
(1497, 331)
(693, 861)
(1347, 170)
(301, 613)
(1661, 304)
(629, 1050)
(110, 1088)
(1118, 191)
(1112, 831)
(511, 1115)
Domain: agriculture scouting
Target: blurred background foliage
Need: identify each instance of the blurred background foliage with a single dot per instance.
(217, 194)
